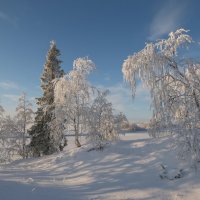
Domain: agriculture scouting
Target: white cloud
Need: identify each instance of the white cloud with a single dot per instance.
(8, 85)
(11, 97)
(107, 77)
(15, 98)
(10, 102)
(6, 18)
(167, 19)
(137, 109)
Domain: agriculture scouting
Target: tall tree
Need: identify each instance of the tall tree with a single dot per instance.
(24, 118)
(43, 134)
(72, 94)
(174, 82)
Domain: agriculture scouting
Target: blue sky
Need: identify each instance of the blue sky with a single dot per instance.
(105, 30)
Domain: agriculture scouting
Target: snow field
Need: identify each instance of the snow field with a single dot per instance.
(128, 169)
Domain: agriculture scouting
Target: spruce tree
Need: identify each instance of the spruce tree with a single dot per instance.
(43, 135)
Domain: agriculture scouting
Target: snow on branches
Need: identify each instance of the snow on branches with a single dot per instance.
(72, 93)
(24, 119)
(174, 83)
(76, 110)
(101, 120)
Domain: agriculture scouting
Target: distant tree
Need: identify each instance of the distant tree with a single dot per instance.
(121, 121)
(8, 139)
(9, 126)
(72, 95)
(101, 121)
(1, 111)
(1, 117)
(174, 82)
(43, 134)
(24, 119)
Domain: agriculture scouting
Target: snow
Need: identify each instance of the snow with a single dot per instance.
(126, 170)
(173, 80)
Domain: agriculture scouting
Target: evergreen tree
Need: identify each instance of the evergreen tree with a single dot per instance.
(43, 134)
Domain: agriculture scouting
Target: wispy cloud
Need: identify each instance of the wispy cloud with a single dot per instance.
(135, 110)
(11, 97)
(107, 77)
(10, 102)
(6, 85)
(7, 18)
(168, 18)
(15, 98)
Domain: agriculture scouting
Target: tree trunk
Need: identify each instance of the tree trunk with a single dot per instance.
(77, 143)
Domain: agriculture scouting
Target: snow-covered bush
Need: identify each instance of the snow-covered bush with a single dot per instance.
(121, 121)
(101, 122)
(174, 83)
(171, 174)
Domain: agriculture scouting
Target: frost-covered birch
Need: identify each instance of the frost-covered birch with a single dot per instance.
(1, 117)
(174, 83)
(24, 119)
(121, 121)
(72, 95)
(9, 143)
(101, 121)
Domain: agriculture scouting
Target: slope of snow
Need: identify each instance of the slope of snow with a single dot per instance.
(128, 169)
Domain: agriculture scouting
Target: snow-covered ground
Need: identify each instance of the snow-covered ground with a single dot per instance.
(128, 169)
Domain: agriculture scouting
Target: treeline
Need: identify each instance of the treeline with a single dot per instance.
(13, 130)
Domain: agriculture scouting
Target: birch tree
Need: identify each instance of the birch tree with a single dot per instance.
(1, 117)
(101, 121)
(121, 121)
(8, 139)
(24, 119)
(72, 95)
(174, 83)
